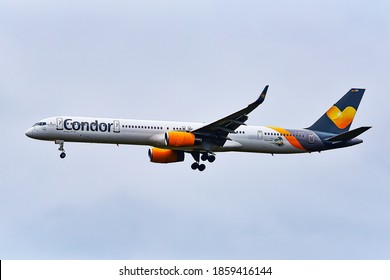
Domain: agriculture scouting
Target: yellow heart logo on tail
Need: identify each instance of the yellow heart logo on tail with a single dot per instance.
(341, 119)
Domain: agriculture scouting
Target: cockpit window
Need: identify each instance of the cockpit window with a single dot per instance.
(40, 124)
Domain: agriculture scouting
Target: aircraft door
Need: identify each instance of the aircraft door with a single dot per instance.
(59, 124)
(260, 135)
(117, 126)
(311, 138)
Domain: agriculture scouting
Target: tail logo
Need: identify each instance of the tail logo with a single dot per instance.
(341, 119)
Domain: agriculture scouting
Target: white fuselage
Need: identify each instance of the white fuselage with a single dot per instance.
(259, 139)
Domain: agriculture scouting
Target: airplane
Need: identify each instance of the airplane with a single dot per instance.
(171, 140)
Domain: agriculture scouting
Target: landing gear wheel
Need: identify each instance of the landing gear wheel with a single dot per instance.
(195, 166)
(207, 156)
(202, 167)
(62, 155)
(211, 158)
(198, 166)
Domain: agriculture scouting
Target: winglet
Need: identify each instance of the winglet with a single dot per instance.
(262, 95)
(259, 100)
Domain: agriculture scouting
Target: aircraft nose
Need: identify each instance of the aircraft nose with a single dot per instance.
(29, 132)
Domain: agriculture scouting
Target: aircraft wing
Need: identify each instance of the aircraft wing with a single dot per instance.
(217, 132)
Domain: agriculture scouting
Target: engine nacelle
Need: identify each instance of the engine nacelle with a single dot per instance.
(180, 139)
(165, 156)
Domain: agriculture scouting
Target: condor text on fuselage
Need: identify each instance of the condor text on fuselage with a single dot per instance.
(69, 124)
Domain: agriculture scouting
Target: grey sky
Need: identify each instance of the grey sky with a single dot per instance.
(192, 61)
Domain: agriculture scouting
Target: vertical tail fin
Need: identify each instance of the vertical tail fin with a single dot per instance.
(339, 117)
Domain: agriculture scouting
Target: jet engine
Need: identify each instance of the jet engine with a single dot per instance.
(180, 139)
(165, 155)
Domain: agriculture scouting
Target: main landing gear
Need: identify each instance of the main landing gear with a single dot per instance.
(206, 156)
(61, 148)
(198, 166)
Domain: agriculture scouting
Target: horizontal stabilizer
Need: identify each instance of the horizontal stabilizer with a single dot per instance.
(349, 134)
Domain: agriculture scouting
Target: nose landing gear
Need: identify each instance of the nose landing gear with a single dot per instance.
(61, 148)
